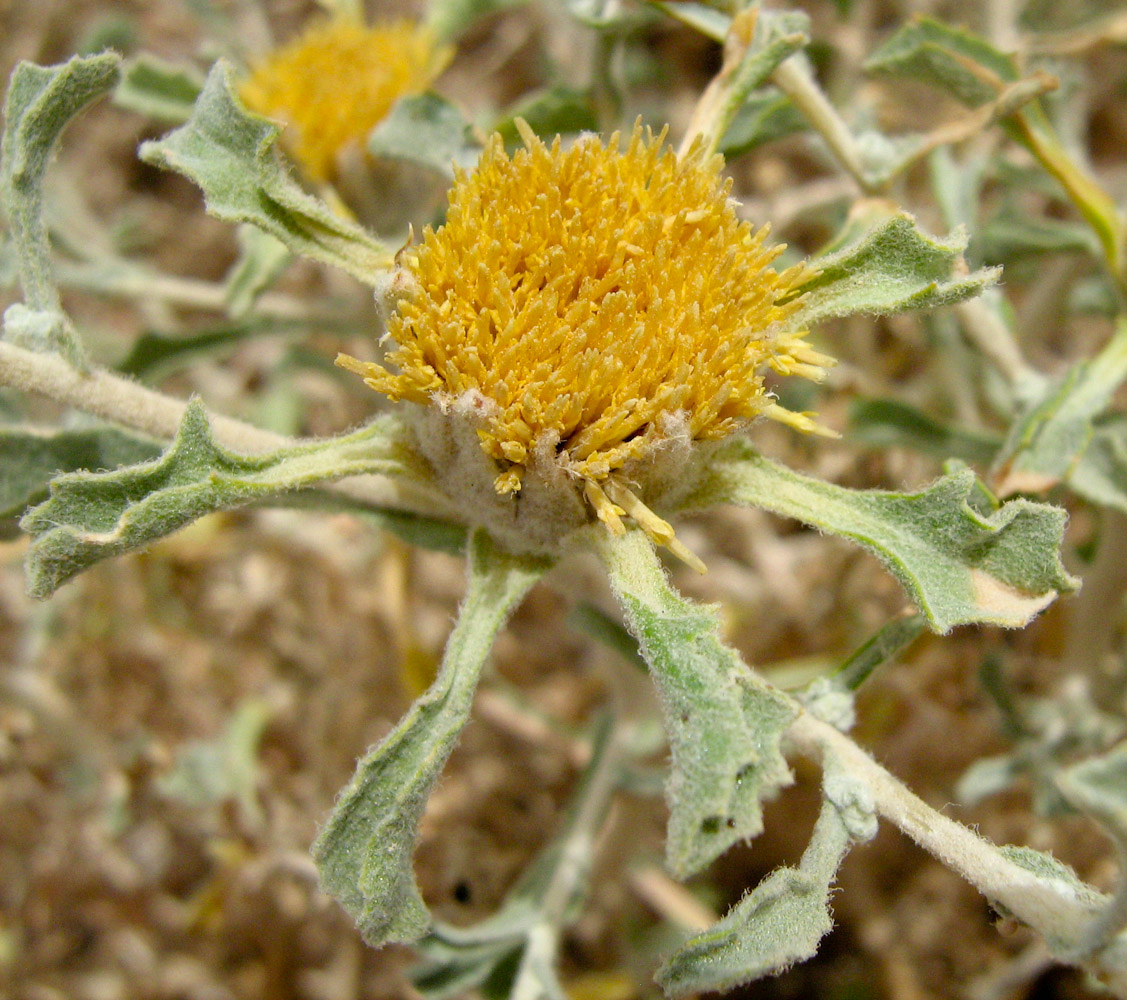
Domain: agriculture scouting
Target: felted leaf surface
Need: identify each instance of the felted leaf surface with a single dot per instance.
(1098, 786)
(548, 111)
(428, 130)
(230, 153)
(723, 722)
(960, 565)
(961, 63)
(883, 423)
(1046, 442)
(784, 918)
(30, 457)
(777, 35)
(158, 89)
(364, 851)
(1100, 473)
(886, 266)
(709, 21)
(262, 259)
(766, 115)
(41, 101)
(91, 516)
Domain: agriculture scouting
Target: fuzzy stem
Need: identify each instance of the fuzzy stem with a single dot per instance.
(993, 338)
(794, 81)
(121, 401)
(114, 398)
(577, 854)
(130, 281)
(1045, 905)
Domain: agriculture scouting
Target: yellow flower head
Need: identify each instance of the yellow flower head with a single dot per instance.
(590, 309)
(334, 83)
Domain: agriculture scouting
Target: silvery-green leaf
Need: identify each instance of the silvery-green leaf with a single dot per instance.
(959, 565)
(887, 265)
(783, 919)
(558, 109)
(592, 621)
(1065, 881)
(890, 640)
(42, 330)
(777, 36)
(231, 154)
(724, 723)
(709, 21)
(364, 851)
(1049, 438)
(1100, 473)
(40, 102)
(884, 423)
(766, 115)
(91, 516)
(208, 772)
(30, 457)
(614, 16)
(427, 130)
(989, 776)
(1012, 235)
(961, 63)
(154, 355)
(1098, 786)
(262, 259)
(158, 89)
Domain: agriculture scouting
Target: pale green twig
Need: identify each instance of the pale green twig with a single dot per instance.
(792, 78)
(121, 401)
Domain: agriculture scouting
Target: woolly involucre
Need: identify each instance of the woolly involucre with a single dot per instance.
(592, 312)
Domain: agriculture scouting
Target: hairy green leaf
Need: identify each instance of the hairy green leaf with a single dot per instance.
(959, 565)
(891, 640)
(1049, 438)
(30, 457)
(208, 772)
(764, 116)
(783, 919)
(427, 130)
(709, 21)
(154, 355)
(1098, 787)
(230, 153)
(364, 851)
(92, 516)
(1013, 234)
(262, 259)
(884, 266)
(883, 423)
(41, 101)
(558, 109)
(961, 63)
(724, 723)
(1100, 473)
(158, 89)
(777, 36)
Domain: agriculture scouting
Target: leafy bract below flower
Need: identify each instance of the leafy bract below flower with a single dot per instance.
(334, 83)
(583, 321)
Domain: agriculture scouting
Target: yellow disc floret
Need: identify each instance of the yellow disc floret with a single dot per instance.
(334, 83)
(592, 303)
